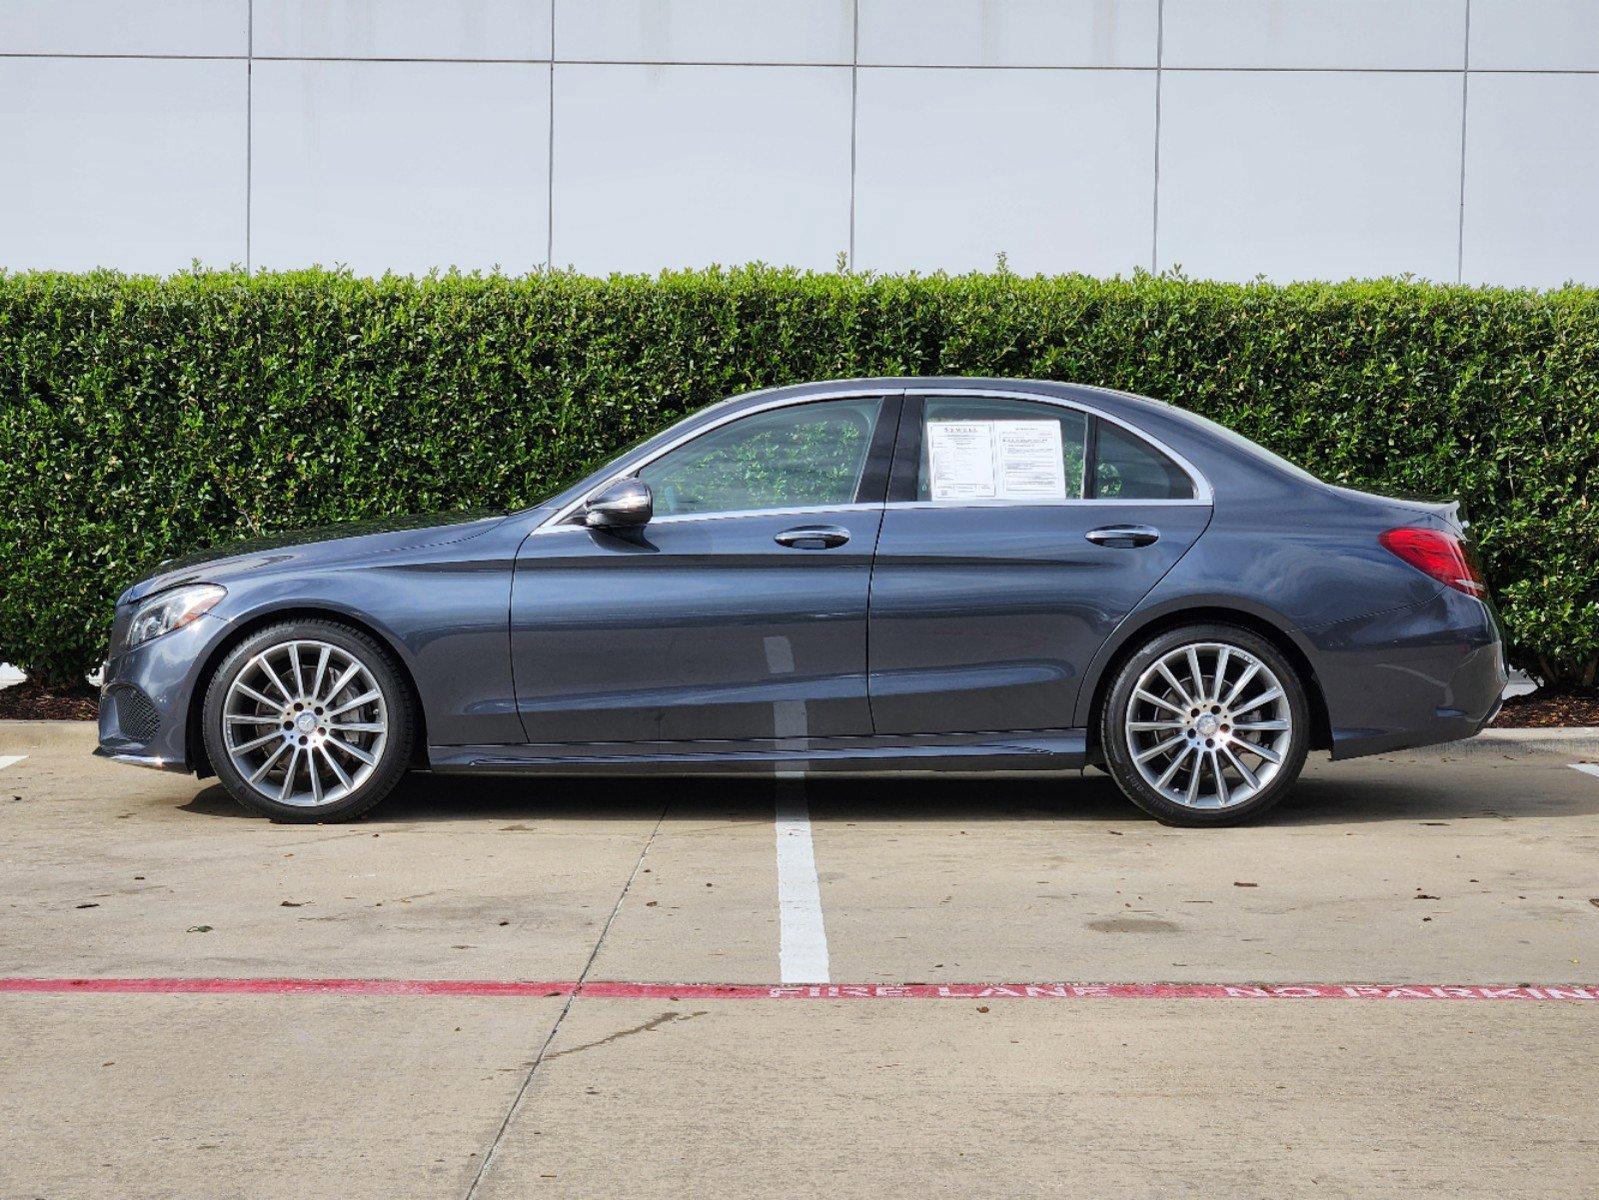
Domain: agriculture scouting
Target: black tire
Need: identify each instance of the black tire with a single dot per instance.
(390, 762)
(1118, 753)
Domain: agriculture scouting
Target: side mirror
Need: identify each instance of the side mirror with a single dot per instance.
(626, 504)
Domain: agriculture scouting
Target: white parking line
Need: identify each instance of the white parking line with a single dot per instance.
(7, 760)
(802, 938)
(1590, 768)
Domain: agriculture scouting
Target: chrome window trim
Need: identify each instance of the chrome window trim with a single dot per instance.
(1202, 490)
(1097, 502)
(810, 510)
(1203, 495)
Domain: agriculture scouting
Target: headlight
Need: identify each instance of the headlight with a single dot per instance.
(172, 610)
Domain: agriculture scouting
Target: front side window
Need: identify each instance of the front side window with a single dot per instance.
(979, 448)
(803, 456)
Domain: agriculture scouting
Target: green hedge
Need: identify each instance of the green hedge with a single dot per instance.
(141, 418)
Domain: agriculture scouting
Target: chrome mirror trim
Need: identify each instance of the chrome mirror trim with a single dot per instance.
(625, 504)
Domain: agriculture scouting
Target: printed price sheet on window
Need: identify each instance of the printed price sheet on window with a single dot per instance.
(996, 460)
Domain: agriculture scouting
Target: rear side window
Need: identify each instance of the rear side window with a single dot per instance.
(976, 448)
(986, 449)
(1128, 468)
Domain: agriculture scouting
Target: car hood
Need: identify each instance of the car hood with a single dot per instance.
(313, 547)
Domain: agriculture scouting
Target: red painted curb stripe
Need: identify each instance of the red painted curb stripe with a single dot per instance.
(1579, 993)
(281, 987)
(1088, 991)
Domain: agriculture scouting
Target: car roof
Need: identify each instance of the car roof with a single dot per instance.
(1109, 399)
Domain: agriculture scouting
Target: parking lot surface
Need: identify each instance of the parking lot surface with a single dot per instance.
(945, 987)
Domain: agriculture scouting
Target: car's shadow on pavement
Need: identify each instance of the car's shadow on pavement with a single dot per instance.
(1457, 794)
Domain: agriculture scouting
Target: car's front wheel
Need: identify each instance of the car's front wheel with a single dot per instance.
(1206, 725)
(308, 721)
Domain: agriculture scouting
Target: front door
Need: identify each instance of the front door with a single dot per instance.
(738, 612)
(996, 577)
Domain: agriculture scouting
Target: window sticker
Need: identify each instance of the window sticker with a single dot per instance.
(996, 460)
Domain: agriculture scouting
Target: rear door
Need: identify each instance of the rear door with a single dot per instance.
(1017, 535)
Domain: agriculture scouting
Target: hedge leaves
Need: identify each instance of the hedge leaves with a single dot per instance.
(142, 418)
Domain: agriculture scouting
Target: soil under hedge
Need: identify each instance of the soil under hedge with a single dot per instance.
(1542, 709)
(31, 702)
(1546, 709)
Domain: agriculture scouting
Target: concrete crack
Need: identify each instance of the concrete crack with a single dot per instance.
(538, 1061)
(665, 1018)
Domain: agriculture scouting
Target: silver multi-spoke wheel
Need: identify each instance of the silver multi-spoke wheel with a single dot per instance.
(304, 723)
(1209, 725)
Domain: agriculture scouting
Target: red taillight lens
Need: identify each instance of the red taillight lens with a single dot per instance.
(1442, 555)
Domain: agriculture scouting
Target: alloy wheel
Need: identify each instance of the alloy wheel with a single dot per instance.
(1208, 725)
(304, 723)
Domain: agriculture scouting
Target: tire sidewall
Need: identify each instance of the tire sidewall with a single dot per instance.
(391, 764)
(1118, 758)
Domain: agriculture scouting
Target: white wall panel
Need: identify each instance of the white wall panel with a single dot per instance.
(130, 163)
(1054, 168)
(741, 31)
(477, 29)
(1532, 180)
(400, 165)
(1299, 137)
(1538, 35)
(1315, 33)
(1305, 175)
(1009, 33)
(124, 26)
(685, 166)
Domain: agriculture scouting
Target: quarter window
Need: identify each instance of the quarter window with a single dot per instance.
(803, 456)
(1129, 468)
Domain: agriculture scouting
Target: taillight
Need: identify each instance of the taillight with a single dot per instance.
(1442, 555)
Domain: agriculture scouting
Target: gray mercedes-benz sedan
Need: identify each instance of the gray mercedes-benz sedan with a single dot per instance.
(857, 576)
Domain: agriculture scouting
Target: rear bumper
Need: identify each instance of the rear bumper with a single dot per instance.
(1413, 677)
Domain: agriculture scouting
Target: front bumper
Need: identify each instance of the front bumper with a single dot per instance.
(147, 693)
(141, 760)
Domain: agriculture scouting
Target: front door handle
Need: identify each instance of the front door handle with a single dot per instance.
(1123, 536)
(813, 537)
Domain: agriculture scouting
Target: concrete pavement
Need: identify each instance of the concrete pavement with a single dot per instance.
(1477, 865)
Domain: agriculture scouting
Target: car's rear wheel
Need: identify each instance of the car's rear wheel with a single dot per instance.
(1206, 725)
(308, 721)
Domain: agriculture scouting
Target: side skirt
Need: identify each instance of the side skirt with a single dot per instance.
(979, 753)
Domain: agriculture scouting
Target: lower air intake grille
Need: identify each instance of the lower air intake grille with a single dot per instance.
(137, 717)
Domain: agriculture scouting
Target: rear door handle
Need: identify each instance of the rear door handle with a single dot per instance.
(1123, 536)
(813, 537)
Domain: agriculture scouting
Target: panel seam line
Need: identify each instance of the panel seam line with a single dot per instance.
(1154, 213)
(249, 136)
(549, 163)
(1465, 91)
(854, 120)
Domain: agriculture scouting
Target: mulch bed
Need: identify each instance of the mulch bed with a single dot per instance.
(29, 701)
(1550, 710)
